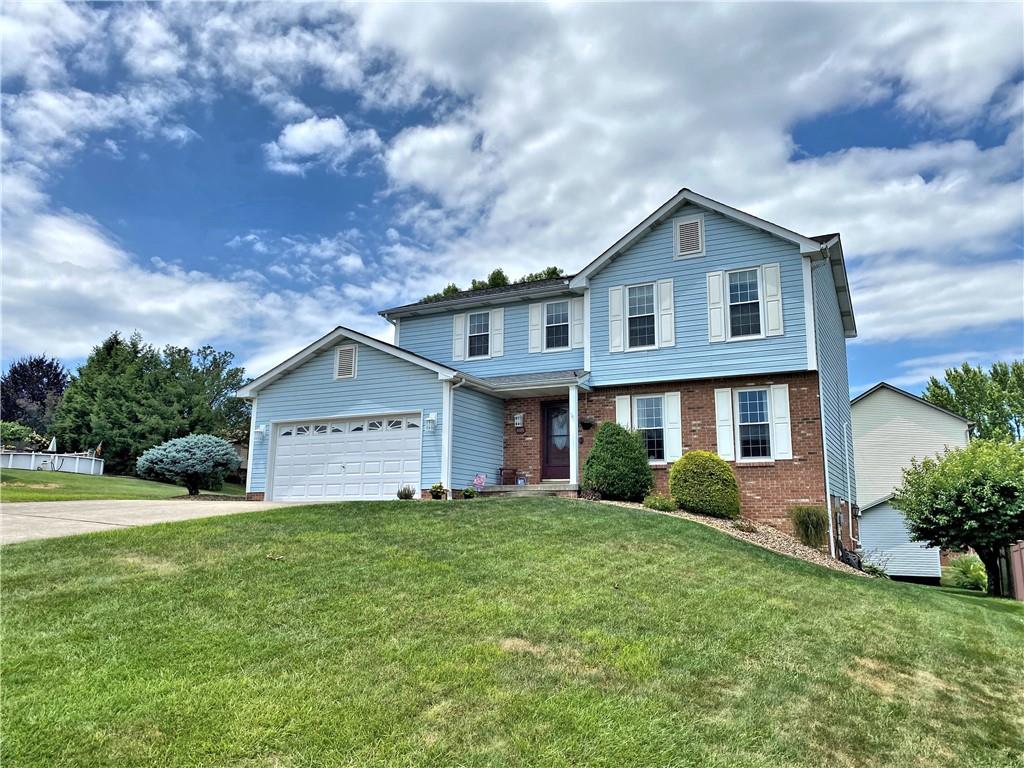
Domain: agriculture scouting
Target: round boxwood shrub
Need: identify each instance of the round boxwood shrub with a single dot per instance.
(703, 483)
(617, 466)
(195, 461)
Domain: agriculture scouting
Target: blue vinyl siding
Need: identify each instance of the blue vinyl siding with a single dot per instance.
(728, 245)
(835, 384)
(478, 437)
(383, 383)
(431, 336)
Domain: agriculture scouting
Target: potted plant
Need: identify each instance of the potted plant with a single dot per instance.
(438, 492)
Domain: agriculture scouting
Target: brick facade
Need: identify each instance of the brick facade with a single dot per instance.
(254, 496)
(767, 489)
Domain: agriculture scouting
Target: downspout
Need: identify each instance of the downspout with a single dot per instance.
(849, 487)
(449, 436)
(821, 410)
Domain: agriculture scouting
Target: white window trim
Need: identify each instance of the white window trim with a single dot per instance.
(738, 452)
(626, 317)
(355, 361)
(675, 236)
(487, 334)
(634, 425)
(544, 325)
(728, 304)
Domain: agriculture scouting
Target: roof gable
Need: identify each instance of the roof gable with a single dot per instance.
(669, 208)
(330, 338)
(890, 388)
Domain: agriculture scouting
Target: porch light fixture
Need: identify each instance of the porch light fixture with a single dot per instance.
(519, 422)
(261, 431)
(430, 422)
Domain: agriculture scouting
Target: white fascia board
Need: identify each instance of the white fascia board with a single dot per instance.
(325, 341)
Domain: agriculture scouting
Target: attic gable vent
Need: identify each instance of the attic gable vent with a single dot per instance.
(345, 362)
(690, 236)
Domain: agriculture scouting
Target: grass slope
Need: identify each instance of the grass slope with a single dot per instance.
(528, 632)
(28, 485)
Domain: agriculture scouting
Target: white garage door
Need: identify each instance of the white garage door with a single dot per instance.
(347, 458)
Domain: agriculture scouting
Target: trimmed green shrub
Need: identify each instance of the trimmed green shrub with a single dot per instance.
(617, 466)
(810, 523)
(703, 483)
(406, 492)
(196, 461)
(469, 493)
(965, 572)
(660, 502)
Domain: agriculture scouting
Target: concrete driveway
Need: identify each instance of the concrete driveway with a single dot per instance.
(47, 519)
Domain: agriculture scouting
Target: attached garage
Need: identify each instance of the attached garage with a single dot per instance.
(346, 458)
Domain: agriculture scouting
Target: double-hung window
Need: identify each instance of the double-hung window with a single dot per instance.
(753, 424)
(641, 321)
(649, 418)
(744, 304)
(556, 325)
(478, 342)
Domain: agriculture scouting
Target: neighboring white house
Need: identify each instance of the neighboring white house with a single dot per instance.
(891, 427)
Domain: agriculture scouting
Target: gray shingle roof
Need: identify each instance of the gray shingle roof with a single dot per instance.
(533, 379)
(534, 286)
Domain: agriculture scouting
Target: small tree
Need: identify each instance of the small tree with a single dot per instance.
(192, 461)
(617, 466)
(970, 497)
(31, 389)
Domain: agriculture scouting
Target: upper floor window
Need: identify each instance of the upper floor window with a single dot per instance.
(744, 304)
(640, 330)
(650, 422)
(556, 325)
(753, 424)
(479, 334)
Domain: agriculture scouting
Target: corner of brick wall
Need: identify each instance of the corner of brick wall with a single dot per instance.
(254, 496)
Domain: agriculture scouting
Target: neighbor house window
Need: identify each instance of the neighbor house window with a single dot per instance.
(556, 325)
(650, 422)
(753, 424)
(744, 304)
(479, 334)
(641, 316)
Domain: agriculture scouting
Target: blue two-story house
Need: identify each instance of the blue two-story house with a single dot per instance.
(703, 328)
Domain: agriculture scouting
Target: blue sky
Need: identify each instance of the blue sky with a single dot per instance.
(253, 175)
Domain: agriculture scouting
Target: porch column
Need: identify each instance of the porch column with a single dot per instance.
(574, 434)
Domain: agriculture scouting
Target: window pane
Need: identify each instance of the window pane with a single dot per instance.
(745, 319)
(558, 312)
(654, 442)
(755, 441)
(557, 336)
(376, 426)
(478, 322)
(641, 300)
(743, 286)
(753, 406)
(641, 331)
(478, 345)
(648, 412)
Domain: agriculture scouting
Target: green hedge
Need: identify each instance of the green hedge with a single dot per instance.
(617, 466)
(703, 483)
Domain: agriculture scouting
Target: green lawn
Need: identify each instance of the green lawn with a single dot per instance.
(532, 632)
(28, 485)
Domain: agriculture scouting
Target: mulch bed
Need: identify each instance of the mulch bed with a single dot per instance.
(764, 536)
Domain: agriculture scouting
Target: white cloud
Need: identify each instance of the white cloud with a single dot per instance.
(151, 49)
(34, 38)
(914, 373)
(315, 141)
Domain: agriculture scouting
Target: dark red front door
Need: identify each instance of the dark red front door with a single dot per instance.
(555, 455)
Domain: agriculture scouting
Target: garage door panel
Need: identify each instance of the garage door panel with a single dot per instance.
(347, 459)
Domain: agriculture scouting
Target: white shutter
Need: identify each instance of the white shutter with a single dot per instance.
(673, 426)
(536, 327)
(576, 319)
(772, 300)
(716, 306)
(723, 424)
(615, 324)
(666, 315)
(782, 436)
(623, 411)
(497, 332)
(458, 337)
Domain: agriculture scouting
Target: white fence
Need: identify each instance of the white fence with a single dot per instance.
(60, 462)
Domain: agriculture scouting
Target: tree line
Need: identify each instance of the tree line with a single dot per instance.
(127, 397)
